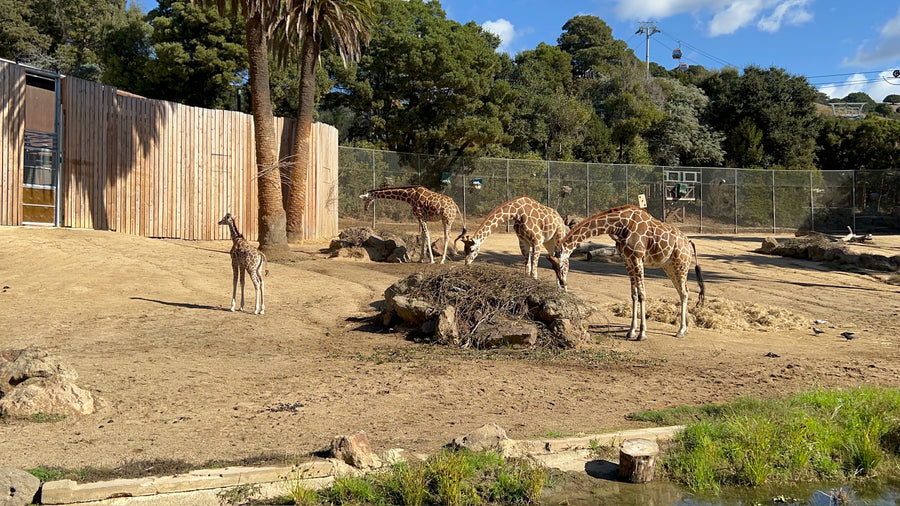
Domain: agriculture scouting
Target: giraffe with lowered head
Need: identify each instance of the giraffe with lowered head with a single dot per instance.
(426, 206)
(245, 258)
(534, 223)
(643, 241)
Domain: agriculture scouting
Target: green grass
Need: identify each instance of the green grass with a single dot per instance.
(818, 435)
(451, 477)
(46, 418)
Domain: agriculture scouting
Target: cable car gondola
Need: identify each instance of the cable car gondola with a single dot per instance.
(676, 54)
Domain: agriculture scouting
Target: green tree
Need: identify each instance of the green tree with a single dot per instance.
(682, 138)
(127, 50)
(199, 55)
(20, 40)
(779, 106)
(860, 98)
(549, 119)
(76, 29)
(426, 84)
(892, 99)
(344, 26)
(595, 52)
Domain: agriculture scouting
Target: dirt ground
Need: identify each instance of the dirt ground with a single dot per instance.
(144, 322)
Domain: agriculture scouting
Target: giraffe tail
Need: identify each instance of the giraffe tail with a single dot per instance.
(265, 262)
(699, 273)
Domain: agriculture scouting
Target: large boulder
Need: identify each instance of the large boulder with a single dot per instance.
(488, 436)
(34, 382)
(54, 395)
(17, 366)
(17, 487)
(356, 451)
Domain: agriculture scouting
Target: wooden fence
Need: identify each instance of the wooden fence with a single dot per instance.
(161, 169)
(12, 142)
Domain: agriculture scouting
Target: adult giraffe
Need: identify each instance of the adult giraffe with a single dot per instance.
(534, 223)
(426, 206)
(643, 241)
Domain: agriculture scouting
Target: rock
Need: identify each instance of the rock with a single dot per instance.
(376, 254)
(411, 311)
(355, 236)
(17, 487)
(487, 436)
(569, 334)
(403, 286)
(54, 395)
(447, 330)
(507, 333)
(16, 366)
(398, 255)
(356, 451)
(769, 245)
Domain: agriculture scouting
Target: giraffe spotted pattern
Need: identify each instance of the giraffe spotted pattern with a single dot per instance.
(426, 206)
(534, 223)
(245, 258)
(643, 241)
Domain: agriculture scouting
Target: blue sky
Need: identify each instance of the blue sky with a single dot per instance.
(841, 46)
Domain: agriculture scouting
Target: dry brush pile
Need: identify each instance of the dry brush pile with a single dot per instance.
(485, 306)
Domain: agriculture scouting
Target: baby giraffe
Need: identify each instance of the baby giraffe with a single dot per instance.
(245, 257)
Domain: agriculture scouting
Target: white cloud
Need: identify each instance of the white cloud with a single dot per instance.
(885, 49)
(877, 90)
(503, 29)
(792, 12)
(724, 16)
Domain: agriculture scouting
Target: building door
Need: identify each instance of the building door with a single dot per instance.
(40, 196)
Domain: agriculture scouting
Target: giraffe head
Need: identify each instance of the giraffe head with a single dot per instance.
(559, 260)
(470, 247)
(227, 219)
(367, 198)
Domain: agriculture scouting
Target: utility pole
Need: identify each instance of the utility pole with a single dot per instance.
(648, 28)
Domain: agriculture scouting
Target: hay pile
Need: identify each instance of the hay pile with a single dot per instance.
(717, 314)
(483, 296)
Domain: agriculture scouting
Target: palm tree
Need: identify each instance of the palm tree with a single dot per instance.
(344, 26)
(261, 18)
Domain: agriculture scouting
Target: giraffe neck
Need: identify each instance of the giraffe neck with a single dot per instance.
(406, 194)
(493, 220)
(609, 222)
(235, 235)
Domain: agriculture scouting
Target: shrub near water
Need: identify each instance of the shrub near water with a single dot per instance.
(451, 477)
(812, 436)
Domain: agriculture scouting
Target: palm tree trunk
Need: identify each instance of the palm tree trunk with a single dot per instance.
(272, 232)
(300, 166)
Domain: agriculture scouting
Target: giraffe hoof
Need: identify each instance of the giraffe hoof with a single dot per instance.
(641, 337)
(232, 310)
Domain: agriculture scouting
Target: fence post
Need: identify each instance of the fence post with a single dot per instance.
(853, 210)
(587, 185)
(812, 214)
(507, 190)
(734, 204)
(549, 203)
(774, 225)
(374, 185)
(700, 197)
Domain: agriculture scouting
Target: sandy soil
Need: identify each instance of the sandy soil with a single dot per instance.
(145, 325)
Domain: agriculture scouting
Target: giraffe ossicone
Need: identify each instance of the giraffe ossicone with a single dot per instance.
(534, 223)
(643, 241)
(426, 206)
(246, 259)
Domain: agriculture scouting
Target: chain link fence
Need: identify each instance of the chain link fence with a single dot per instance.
(696, 199)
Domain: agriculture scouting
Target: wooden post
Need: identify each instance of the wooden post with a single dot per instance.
(637, 458)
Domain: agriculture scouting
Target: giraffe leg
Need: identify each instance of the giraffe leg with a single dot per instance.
(242, 288)
(426, 243)
(637, 304)
(257, 287)
(535, 256)
(678, 276)
(446, 241)
(234, 269)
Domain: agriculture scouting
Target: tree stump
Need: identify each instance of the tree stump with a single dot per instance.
(637, 458)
